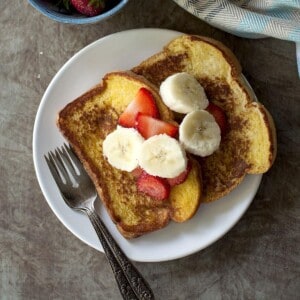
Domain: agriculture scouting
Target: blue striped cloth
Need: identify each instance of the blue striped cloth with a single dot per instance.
(251, 18)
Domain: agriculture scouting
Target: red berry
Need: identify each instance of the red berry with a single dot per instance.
(181, 177)
(148, 126)
(137, 172)
(219, 116)
(143, 103)
(89, 7)
(155, 187)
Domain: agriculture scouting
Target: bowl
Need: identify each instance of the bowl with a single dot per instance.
(48, 9)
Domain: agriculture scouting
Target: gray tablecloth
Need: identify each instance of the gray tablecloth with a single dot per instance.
(41, 259)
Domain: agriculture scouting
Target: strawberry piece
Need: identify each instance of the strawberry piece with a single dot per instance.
(88, 7)
(137, 172)
(181, 177)
(148, 126)
(219, 116)
(155, 187)
(143, 103)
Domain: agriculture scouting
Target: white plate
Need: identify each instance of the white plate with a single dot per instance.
(122, 51)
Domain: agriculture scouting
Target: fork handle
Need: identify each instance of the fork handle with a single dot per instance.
(123, 284)
(118, 259)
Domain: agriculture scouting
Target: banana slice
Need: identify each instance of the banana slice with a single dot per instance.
(163, 156)
(182, 93)
(121, 148)
(199, 133)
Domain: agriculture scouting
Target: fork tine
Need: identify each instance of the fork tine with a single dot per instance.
(57, 176)
(53, 169)
(67, 161)
(75, 159)
(60, 166)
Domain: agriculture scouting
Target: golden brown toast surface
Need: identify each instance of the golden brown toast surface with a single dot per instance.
(86, 122)
(249, 146)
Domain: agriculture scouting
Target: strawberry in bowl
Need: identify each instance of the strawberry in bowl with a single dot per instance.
(78, 11)
(86, 7)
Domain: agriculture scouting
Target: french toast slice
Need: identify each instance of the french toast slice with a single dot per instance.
(86, 121)
(249, 146)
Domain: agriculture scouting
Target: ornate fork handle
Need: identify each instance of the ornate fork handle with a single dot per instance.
(125, 272)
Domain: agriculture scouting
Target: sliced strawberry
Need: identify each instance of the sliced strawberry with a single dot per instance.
(89, 7)
(155, 187)
(181, 177)
(219, 116)
(137, 172)
(143, 103)
(149, 126)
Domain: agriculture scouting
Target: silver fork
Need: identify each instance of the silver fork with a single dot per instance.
(79, 193)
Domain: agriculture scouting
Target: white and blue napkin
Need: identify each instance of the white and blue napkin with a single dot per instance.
(251, 18)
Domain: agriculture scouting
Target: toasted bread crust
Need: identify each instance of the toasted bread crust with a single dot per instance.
(219, 72)
(85, 122)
